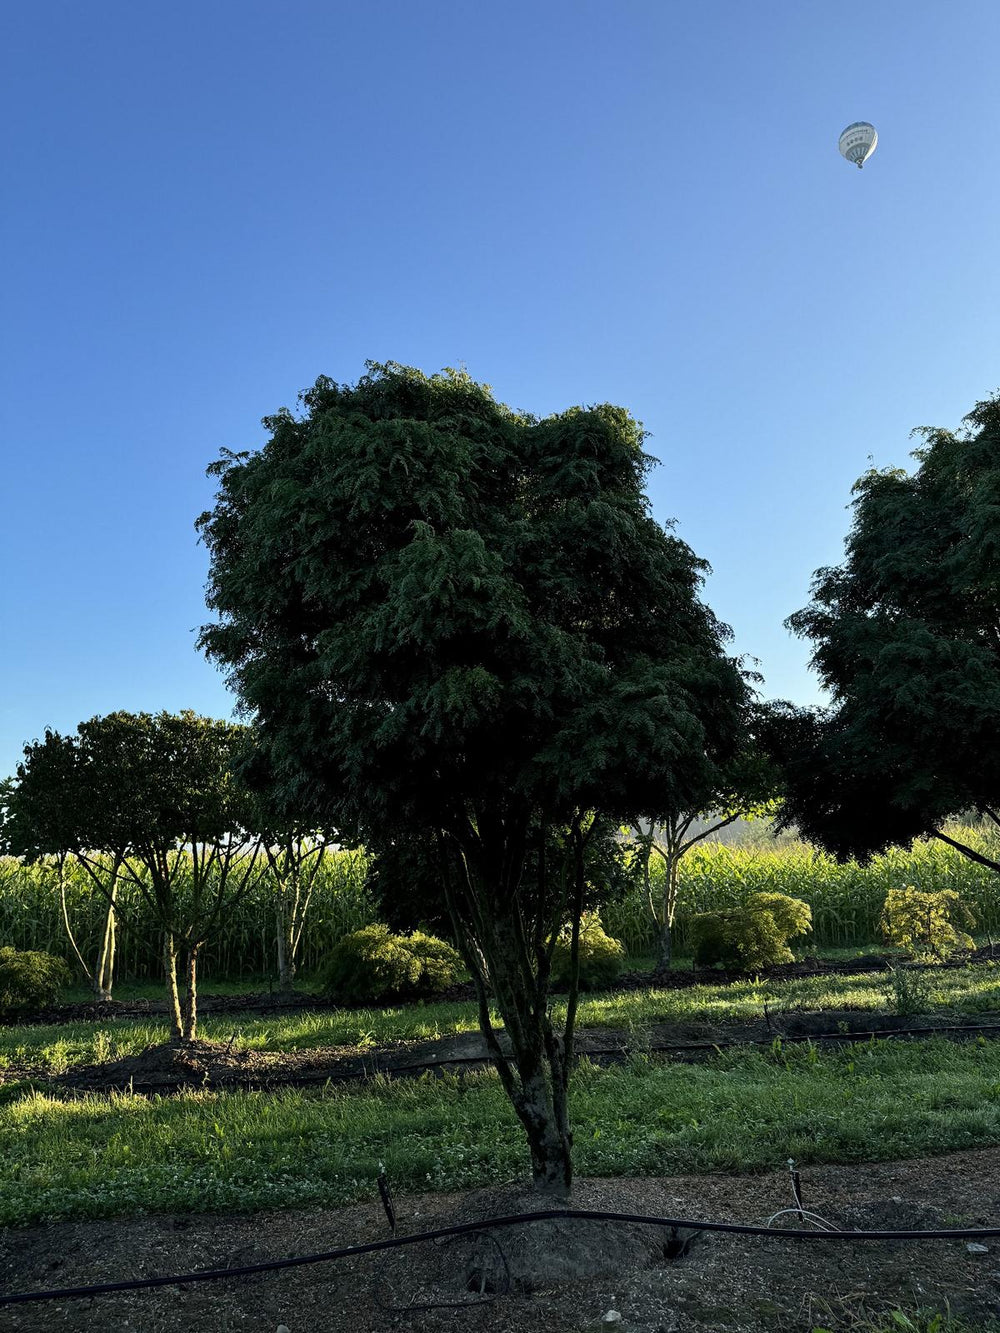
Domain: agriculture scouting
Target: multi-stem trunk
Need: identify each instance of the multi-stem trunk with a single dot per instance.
(508, 952)
(669, 910)
(286, 955)
(104, 973)
(538, 1090)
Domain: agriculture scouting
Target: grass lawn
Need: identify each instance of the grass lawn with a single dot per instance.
(742, 1111)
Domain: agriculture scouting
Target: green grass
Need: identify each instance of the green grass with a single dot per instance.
(925, 1320)
(743, 1111)
(56, 1048)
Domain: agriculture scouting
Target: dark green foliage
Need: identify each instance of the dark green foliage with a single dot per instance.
(602, 959)
(905, 639)
(373, 966)
(405, 881)
(456, 620)
(29, 979)
(928, 925)
(752, 937)
(432, 601)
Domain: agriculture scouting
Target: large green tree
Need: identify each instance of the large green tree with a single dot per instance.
(906, 635)
(461, 624)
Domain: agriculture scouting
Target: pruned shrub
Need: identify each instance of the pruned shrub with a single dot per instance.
(372, 965)
(601, 957)
(928, 925)
(751, 937)
(29, 979)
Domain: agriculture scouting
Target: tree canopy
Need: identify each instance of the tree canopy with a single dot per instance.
(155, 794)
(906, 635)
(429, 599)
(455, 620)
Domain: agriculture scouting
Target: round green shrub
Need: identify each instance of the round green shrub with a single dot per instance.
(753, 937)
(372, 965)
(602, 958)
(30, 979)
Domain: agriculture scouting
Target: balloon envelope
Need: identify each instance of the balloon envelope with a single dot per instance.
(858, 141)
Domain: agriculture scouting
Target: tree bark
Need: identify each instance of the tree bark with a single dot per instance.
(173, 994)
(546, 1125)
(506, 930)
(189, 1012)
(286, 968)
(669, 911)
(105, 970)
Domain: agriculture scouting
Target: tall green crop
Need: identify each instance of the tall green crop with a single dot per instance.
(846, 900)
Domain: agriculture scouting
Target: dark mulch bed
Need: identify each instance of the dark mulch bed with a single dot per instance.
(204, 1065)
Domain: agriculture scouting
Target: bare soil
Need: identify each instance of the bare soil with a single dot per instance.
(742, 1284)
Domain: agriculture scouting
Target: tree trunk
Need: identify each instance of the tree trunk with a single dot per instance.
(546, 1125)
(286, 963)
(669, 910)
(105, 970)
(173, 994)
(189, 1013)
(509, 955)
(539, 1092)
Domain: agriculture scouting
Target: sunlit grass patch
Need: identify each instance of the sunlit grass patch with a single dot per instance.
(56, 1048)
(743, 1111)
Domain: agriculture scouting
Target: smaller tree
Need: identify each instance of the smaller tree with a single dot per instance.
(295, 846)
(157, 796)
(930, 925)
(743, 787)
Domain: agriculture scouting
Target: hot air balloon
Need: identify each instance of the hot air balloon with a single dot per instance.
(858, 142)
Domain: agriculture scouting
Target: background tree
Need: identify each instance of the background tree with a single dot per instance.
(295, 847)
(906, 636)
(451, 618)
(741, 787)
(156, 796)
(40, 817)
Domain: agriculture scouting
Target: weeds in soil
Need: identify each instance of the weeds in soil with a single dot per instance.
(923, 1320)
(909, 991)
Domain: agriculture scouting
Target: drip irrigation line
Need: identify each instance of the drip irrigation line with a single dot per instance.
(488, 1224)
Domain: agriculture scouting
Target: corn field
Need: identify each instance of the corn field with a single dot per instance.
(845, 899)
(30, 918)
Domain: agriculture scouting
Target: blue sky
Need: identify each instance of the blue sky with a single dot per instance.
(208, 205)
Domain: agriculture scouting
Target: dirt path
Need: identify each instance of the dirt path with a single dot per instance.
(745, 1285)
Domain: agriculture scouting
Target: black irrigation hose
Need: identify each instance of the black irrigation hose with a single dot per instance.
(464, 1228)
